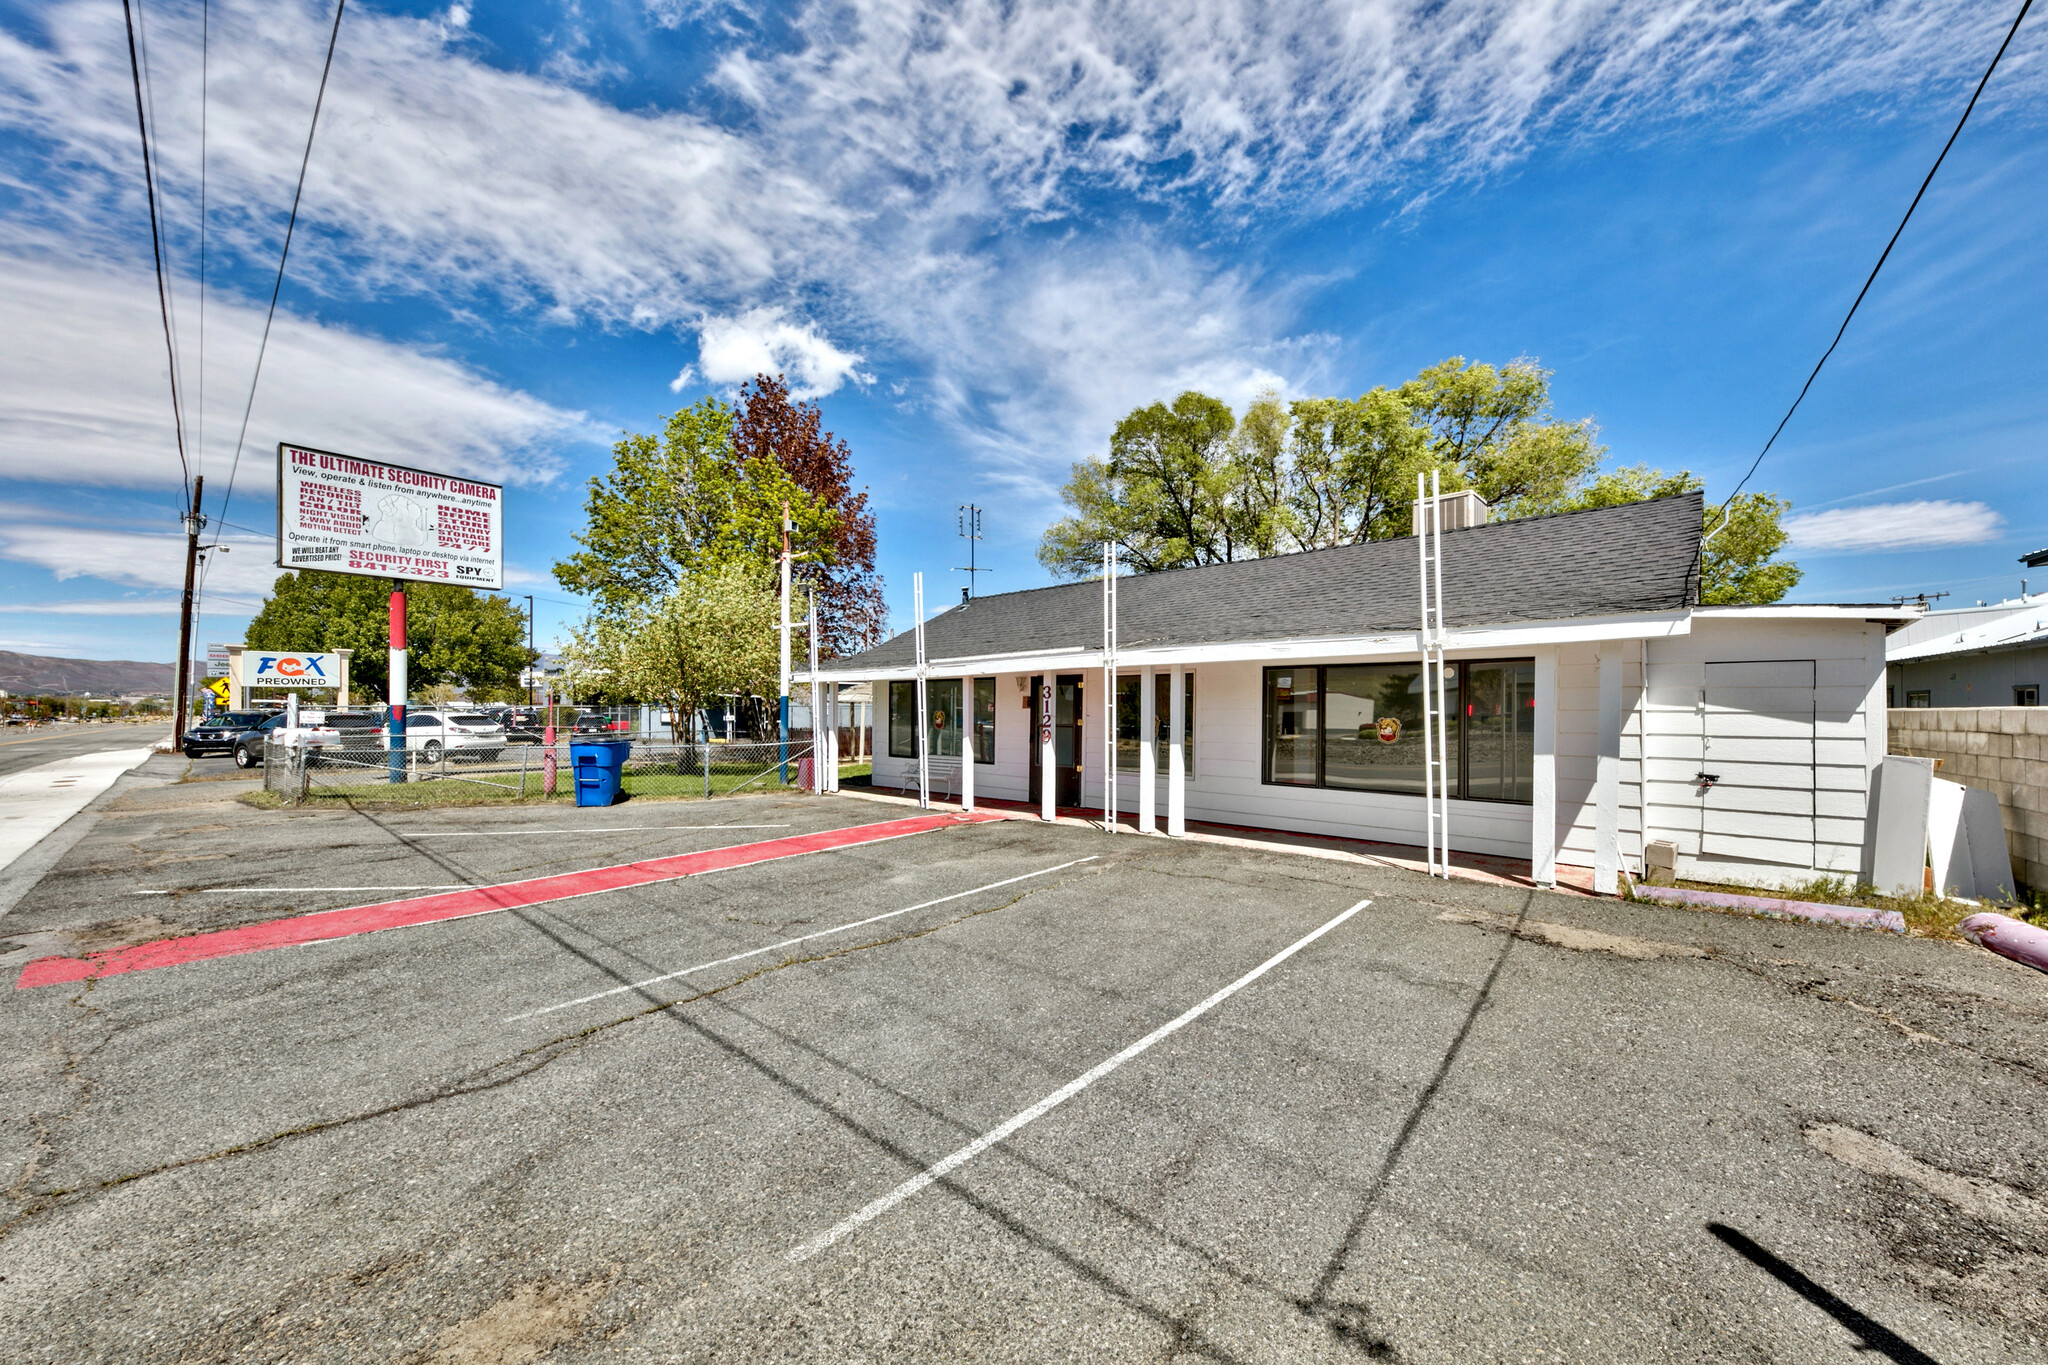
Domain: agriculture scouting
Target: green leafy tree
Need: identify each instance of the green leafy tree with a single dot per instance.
(1354, 467)
(709, 635)
(1187, 484)
(682, 501)
(1495, 427)
(454, 634)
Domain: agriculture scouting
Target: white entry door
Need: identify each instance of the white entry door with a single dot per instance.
(1759, 767)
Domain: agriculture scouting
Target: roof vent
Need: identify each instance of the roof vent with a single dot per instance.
(1460, 510)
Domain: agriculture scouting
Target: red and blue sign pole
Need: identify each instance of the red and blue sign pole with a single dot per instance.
(398, 682)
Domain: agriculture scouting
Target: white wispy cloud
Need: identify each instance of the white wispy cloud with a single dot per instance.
(165, 606)
(1894, 526)
(139, 558)
(89, 401)
(891, 171)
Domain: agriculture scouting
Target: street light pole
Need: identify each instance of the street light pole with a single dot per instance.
(532, 659)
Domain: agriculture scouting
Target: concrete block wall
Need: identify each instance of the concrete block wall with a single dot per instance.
(1999, 749)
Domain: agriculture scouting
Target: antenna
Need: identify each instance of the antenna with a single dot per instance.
(970, 531)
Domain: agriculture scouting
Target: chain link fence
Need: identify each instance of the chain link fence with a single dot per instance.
(652, 768)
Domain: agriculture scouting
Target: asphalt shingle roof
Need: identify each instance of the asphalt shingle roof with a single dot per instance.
(1638, 557)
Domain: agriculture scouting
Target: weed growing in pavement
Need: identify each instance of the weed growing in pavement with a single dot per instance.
(1927, 915)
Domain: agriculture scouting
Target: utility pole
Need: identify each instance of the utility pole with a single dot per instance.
(970, 531)
(195, 522)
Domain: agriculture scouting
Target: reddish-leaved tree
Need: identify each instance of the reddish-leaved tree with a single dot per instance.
(851, 613)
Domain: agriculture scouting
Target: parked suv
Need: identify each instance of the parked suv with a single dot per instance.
(249, 743)
(217, 733)
(430, 734)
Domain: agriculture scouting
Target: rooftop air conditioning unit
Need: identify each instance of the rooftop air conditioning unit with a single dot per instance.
(1460, 510)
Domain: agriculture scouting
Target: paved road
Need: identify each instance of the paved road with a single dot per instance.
(21, 748)
(1460, 1123)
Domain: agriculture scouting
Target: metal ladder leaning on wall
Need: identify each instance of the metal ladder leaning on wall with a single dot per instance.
(1435, 722)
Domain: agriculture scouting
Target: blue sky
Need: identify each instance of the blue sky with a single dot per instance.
(980, 234)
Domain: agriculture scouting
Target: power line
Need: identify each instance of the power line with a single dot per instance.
(291, 224)
(163, 299)
(205, 70)
(2010, 33)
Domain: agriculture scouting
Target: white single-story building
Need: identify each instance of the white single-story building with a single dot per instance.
(1595, 705)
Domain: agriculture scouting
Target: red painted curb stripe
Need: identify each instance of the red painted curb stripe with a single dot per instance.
(363, 919)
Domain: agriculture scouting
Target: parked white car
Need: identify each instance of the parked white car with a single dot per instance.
(430, 734)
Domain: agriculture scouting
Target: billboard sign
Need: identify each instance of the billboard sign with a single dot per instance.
(348, 515)
(271, 668)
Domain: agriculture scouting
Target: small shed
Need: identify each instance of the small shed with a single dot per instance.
(1595, 706)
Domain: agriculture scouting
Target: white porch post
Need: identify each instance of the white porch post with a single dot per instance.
(831, 736)
(1177, 757)
(1048, 808)
(967, 744)
(1148, 752)
(1543, 774)
(1607, 775)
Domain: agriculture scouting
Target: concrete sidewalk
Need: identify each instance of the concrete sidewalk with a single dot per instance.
(38, 800)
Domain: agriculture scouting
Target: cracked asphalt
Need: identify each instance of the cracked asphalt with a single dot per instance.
(1472, 1123)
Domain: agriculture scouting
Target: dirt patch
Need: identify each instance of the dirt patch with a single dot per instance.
(1967, 1241)
(1568, 936)
(1977, 1197)
(18, 949)
(521, 1327)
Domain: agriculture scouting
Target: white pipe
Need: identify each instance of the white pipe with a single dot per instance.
(1443, 714)
(1148, 752)
(1177, 758)
(924, 720)
(1422, 638)
(967, 743)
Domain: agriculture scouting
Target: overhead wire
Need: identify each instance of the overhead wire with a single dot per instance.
(156, 246)
(291, 225)
(1882, 258)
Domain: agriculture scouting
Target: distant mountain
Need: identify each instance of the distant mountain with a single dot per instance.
(27, 674)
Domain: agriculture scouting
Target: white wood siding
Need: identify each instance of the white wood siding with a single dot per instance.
(1782, 714)
(1791, 796)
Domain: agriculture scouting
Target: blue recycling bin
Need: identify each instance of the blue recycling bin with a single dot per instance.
(597, 765)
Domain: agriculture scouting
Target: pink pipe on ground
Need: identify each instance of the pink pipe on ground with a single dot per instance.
(2008, 937)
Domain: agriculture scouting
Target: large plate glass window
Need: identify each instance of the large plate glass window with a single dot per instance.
(942, 700)
(1358, 727)
(1373, 741)
(1294, 722)
(1500, 741)
(984, 720)
(903, 720)
(1129, 699)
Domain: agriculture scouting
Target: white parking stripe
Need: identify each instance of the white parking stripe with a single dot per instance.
(593, 829)
(1058, 1097)
(791, 942)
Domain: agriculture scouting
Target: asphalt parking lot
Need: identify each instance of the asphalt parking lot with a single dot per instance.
(991, 1092)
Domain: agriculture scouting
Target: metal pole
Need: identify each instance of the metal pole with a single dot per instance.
(396, 728)
(782, 704)
(1422, 640)
(817, 749)
(547, 737)
(924, 723)
(532, 656)
(1109, 716)
(195, 521)
(1443, 714)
